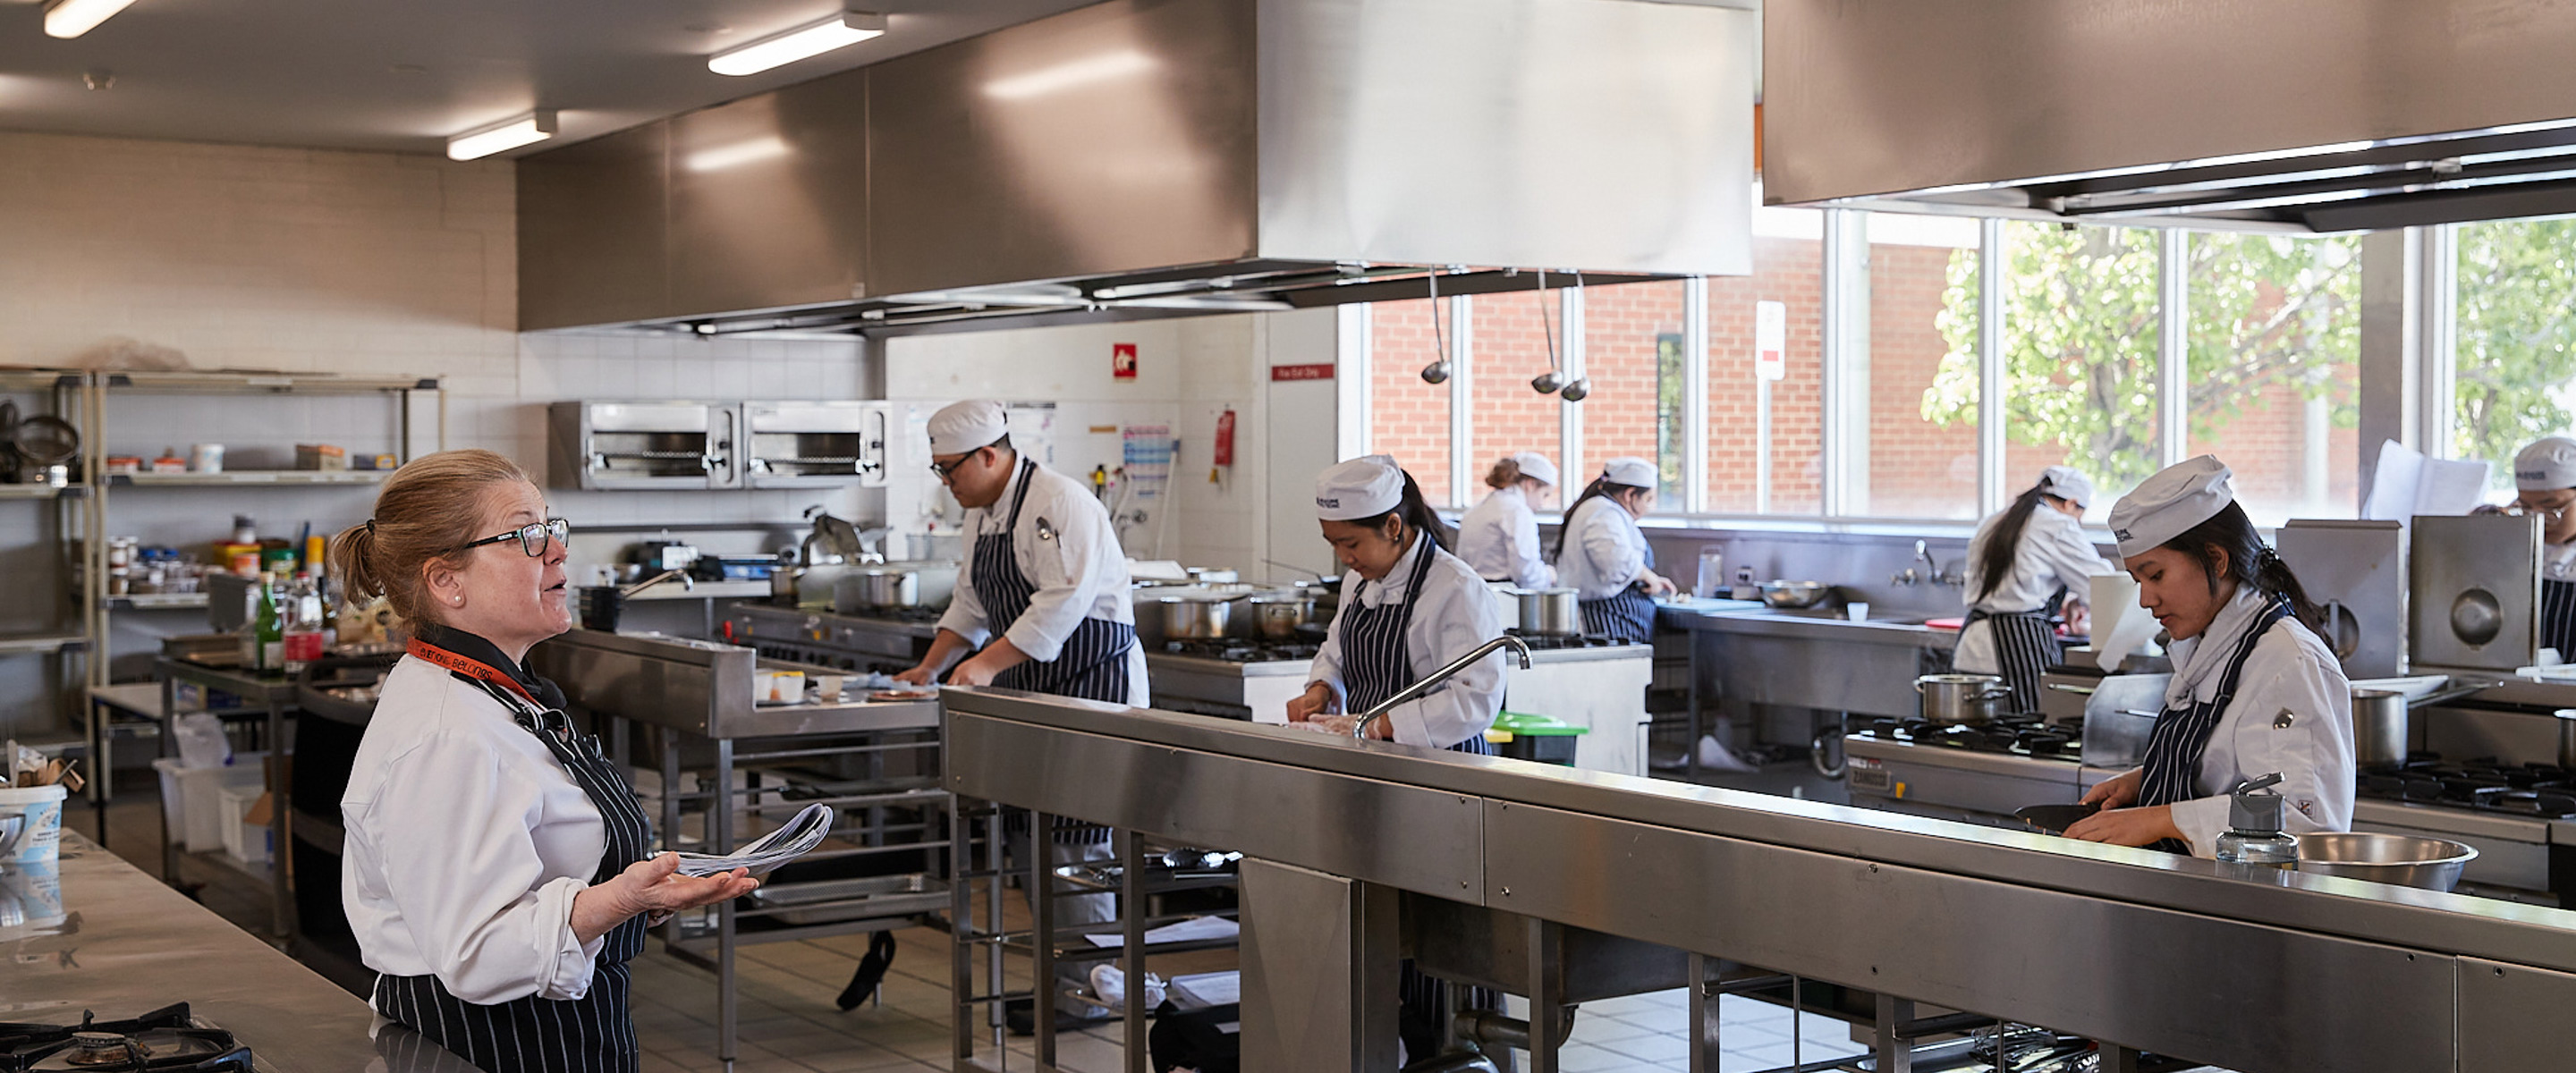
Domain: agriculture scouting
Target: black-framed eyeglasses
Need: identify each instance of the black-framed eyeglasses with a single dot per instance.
(946, 472)
(532, 537)
(2520, 509)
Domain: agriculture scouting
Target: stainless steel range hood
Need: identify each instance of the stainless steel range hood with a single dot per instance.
(1169, 157)
(2292, 115)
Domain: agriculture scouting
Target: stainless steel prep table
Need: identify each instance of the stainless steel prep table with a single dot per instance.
(2267, 968)
(132, 944)
(1808, 660)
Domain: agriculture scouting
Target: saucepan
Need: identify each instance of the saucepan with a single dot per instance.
(1961, 698)
(1196, 618)
(1278, 614)
(1551, 612)
(2380, 722)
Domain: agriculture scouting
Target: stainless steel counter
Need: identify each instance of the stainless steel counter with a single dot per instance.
(2252, 971)
(129, 944)
(701, 687)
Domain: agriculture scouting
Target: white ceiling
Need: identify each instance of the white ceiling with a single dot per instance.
(403, 75)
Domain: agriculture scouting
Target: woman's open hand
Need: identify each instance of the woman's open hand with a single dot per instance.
(653, 886)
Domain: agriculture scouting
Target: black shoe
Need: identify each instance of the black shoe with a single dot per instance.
(872, 970)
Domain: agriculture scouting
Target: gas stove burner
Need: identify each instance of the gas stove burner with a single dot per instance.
(162, 1040)
(898, 614)
(1241, 651)
(2019, 735)
(2485, 785)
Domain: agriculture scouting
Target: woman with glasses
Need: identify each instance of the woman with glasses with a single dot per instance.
(2544, 479)
(497, 871)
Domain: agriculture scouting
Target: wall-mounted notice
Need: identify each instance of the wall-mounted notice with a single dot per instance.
(1771, 340)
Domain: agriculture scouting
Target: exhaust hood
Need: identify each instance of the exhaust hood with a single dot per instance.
(2286, 115)
(1168, 158)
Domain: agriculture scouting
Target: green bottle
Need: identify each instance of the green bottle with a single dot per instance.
(268, 635)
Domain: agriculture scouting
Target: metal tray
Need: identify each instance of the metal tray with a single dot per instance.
(830, 900)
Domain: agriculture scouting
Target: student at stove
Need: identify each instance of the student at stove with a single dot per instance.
(2254, 690)
(2544, 480)
(2023, 565)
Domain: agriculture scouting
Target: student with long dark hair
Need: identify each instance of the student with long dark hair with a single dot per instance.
(2022, 565)
(2254, 690)
(1603, 556)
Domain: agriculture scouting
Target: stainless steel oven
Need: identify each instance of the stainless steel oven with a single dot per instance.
(611, 446)
(815, 444)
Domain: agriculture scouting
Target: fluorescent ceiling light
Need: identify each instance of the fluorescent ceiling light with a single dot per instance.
(72, 18)
(533, 127)
(1070, 75)
(840, 31)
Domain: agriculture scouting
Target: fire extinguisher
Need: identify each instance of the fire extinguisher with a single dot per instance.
(1224, 450)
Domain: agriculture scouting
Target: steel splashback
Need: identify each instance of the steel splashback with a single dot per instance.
(1169, 158)
(2299, 115)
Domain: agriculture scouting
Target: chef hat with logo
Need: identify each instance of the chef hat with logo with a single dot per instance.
(960, 427)
(1360, 488)
(2067, 484)
(2548, 464)
(2170, 503)
(1535, 465)
(1629, 471)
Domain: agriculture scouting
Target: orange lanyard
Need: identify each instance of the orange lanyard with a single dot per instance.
(471, 668)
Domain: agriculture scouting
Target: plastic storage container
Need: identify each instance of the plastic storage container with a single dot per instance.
(1541, 738)
(42, 836)
(189, 804)
(247, 842)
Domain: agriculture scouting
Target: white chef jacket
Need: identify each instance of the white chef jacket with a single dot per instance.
(2053, 551)
(1604, 549)
(1498, 539)
(1080, 573)
(466, 841)
(2558, 563)
(1452, 615)
(2291, 676)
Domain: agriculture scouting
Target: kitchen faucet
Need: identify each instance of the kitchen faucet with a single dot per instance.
(1360, 729)
(1935, 575)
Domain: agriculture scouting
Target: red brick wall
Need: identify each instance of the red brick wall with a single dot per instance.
(1917, 469)
(1621, 329)
(1790, 271)
(1409, 418)
(1511, 347)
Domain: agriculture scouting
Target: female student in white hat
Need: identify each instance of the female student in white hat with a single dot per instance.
(1602, 555)
(1499, 537)
(2254, 690)
(1408, 608)
(2544, 479)
(2022, 564)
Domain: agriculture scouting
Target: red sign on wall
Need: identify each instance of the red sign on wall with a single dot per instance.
(1122, 360)
(1302, 372)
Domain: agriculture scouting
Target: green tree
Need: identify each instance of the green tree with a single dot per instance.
(2516, 347)
(2081, 336)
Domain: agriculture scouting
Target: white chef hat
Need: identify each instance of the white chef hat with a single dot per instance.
(1629, 471)
(2168, 504)
(1360, 488)
(2549, 463)
(960, 427)
(2067, 484)
(1535, 465)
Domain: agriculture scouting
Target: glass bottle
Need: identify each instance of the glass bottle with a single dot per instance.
(268, 637)
(302, 628)
(2254, 834)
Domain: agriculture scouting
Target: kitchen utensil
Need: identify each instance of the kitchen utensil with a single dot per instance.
(2055, 819)
(1550, 612)
(876, 587)
(2404, 860)
(1795, 594)
(1195, 618)
(1952, 699)
(1276, 615)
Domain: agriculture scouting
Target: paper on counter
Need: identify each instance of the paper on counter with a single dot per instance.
(2120, 626)
(1192, 930)
(778, 847)
(2407, 483)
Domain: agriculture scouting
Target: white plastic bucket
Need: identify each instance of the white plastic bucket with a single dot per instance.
(42, 839)
(189, 798)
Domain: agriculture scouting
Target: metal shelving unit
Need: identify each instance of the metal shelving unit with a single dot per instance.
(235, 478)
(65, 635)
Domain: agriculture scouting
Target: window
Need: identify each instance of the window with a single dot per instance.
(1766, 439)
(2516, 344)
(2275, 330)
(1625, 356)
(2079, 352)
(1506, 416)
(1408, 418)
(1922, 431)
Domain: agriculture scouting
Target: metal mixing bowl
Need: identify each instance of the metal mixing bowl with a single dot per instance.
(2404, 860)
(1795, 594)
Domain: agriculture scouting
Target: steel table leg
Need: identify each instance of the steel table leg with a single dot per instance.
(94, 745)
(670, 788)
(1893, 1055)
(1705, 1006)
(993, 975)
(1546, 994)
(961, 953)
(720, 826)
(281, 893)
(2118, 1059)
(169, 727)
(1041, 880)
(1690, 748)
(1131, 883)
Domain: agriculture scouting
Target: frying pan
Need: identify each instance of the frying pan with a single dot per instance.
(2055, 819)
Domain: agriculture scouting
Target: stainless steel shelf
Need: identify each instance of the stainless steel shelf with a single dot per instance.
(155, 601)
(38, 379)
(16, 643)
(233, 382)
(42, 491)
(238, 478)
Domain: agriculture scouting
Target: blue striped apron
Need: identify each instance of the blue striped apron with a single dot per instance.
(2181, 735)
(591, 1034)
(1377, 663)
(1628, 615)
(2025, 644)
(1093, 662)
(2558, 617)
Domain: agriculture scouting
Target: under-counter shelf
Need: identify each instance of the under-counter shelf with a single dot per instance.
(232, 478)
(14, 643)
(156, 601)
(263, 382)
(42, 491)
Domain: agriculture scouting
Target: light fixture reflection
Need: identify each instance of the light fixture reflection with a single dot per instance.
(1071, 74)
(533, 127)
(840, 31)
(737, 154)
(72, 18)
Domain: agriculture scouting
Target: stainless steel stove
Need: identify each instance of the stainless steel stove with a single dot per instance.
(164, 1039)
(1978, 774)
(887, 642)
(2521, 818)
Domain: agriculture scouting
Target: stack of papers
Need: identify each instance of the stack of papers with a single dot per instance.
(2407, 483)
(778, 847)
(1191, 930)
(1201, 990)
